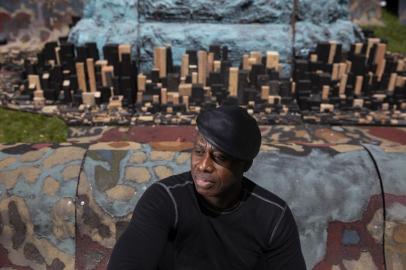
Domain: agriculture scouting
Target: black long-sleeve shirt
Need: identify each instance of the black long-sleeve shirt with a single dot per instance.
(173, 228)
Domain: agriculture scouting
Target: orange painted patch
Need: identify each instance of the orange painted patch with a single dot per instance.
(171, 146)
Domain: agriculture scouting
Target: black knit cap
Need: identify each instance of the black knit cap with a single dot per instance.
(232, 130)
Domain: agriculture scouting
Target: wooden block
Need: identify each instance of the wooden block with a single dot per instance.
(101, 63)
(91, 74)
(139, 97)
(273, 99)
(392, 82)
(80, 73)
(164, 96)
(170, 97)
(400, 81)
(379, 97)
(380, 69)
(88, 98)
(313, 57)
(325, 92)
(195, 77)
(251, 61)
(39, 94)
(358, 48)
(107, 75)
(332, 52)
(141, 81)
(370, 43)
(264, 92)
(385, 106)
(257, 56)
(401, 66)
(293, 88)
(245, 62)
(122, 49)
(163, 64)
(343, 84)
(185, 89)
(202, 67)
(358, 85)
(155, 99)
(342, 70)
(185, 100)
(349, 65)
(233, 81)
(326, 107)
(210, 62)
(115, 103)
(272, 59)
(380, 53)
(58, 56)
(217, 66)
(358, 103)
(34, 82)
(175, 96)
(45, 76)
(334, 73)
(160, 60)
(184, 72)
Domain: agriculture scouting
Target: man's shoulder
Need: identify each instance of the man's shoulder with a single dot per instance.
(262, 196)
(176, 181)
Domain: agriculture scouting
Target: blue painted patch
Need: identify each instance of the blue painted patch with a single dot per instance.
(350, 237)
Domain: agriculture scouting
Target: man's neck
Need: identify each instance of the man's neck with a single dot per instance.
(226, 200)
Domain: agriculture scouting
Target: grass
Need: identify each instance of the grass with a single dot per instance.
(22, 127)
(393, 32)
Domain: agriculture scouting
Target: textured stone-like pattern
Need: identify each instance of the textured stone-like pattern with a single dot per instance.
(259, 25)
(110, 185)
(240, 38)
(366, 12)
(393, 172)
(309, 33)
(323, 11)
(326, 175)
(29, 24)
(323, 20)
(37, 206)
(308, 176)
(237, 11)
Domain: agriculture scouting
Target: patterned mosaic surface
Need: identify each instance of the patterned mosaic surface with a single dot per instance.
(327, 175)
(37, 205)
(385, 137)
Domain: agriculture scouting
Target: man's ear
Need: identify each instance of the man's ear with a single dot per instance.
(247, 165)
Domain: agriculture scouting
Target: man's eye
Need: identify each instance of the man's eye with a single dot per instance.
(199, 151)
(220, 158)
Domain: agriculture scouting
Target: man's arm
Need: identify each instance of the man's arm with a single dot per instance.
(285, 252)
(142, 244)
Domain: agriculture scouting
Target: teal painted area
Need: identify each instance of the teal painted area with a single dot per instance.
(255, 25)
(350, 237)
(119, 208)
(319, 187)
(392, 167)
(40, 205)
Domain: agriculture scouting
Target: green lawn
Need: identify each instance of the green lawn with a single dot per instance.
(393, 32)
(30, 128)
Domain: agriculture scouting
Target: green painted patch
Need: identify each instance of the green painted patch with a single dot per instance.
(16, 127)
(392, 31)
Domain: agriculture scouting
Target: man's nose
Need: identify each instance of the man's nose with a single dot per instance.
(206, 163)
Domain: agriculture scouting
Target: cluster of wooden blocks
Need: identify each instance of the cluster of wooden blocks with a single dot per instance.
(328, 80)
(366, 77)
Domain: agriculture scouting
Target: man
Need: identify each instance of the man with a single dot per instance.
(212, 217)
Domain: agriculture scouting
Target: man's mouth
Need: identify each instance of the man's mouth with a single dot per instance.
(203, 182)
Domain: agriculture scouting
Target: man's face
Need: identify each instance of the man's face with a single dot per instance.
(214, 172)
